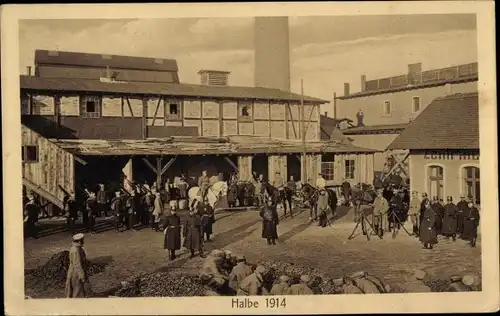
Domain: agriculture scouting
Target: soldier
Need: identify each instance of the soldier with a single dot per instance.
(32, 210)
(281, 288)
(193, 233)
(462, 208)
(91, 208)
(239, 272)
(172, 232)
(346, 191)
(102, 200)
(131, 210)
(183, 187)
(258, 190)
(323, 207)
(380, 210)
(396, 211)
(207, 219)
(204, 183)
(71, 212)
(270, 222)
(439, 208)
(302, 288)
(253, 284)
(428, 235)
(118, 209)
(471, 223)
(211, 274)
(450, 219)
(149, 205)
(414, 212)
(157, 212)
(77, 279)
(359, 215)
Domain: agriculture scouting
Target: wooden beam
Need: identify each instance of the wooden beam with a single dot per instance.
(269, 110)
(158, 172)
(398, 163)
(122, 107)
(80, 160)
(309, 120)
(57, 110)
(169, 163)
(293, 124)
(156, 111)
(287, 107)
(221, 124)
(231, 163)
(150, 165)
(201, 117)
(129, 107)
(144, 118)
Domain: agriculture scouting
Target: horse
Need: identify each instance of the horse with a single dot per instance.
(311, 194)
(215, 193)
(365, 194)
(278, 196)
(232, 195)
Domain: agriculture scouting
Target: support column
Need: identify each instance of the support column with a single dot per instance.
(128, 171)
(277, 163)
(245, 167)
(311, 166)
(158, 172)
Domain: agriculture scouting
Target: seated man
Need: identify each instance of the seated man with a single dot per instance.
(211, 274)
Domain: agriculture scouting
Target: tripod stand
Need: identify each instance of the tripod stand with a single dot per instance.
(400, 224)
(362, 221)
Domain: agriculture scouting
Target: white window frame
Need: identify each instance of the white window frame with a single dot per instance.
(384, 107)
(427, 179)
(166, 110)
(330, 166)
(413, 104)
(347, 172)
(83, 106)
(461, 171)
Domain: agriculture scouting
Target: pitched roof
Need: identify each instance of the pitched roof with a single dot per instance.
(373, 128)
(330, 131)
(166, 89)
(102, 60)
(450, 122)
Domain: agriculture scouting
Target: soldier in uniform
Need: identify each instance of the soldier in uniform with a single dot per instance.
(346, 191)
(207, 219)
(323, 207)
(71, 209)
(204, 183)
(157, 212)
(172, 232)
(462, 207)
(270, 222)
(193, 233)
(428, 235)
(359, 215)
(380, 210)
(91, 208)
(239, 272)
(32, 211)
(425, 198)
(102, 200)
(439, 208)
(258, 190)
(396, 211)
(302, 288)
(253, 284)
(149, 202)
(414, 212)
(77, 279)
(131, 212)
(449, 228)
(471, 223)
(281, 288)
(118, 210)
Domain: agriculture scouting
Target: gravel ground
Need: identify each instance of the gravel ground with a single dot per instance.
(327, 249)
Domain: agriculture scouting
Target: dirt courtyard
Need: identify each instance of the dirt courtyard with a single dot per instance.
(299, 242)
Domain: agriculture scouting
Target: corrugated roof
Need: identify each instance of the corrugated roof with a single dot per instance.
(373, 128)
(450, 122)
(103, 60)
(166, 89)
(202, 146)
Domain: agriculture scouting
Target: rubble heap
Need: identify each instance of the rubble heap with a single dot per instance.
(162, 284)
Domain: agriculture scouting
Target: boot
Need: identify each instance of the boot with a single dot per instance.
(202, 255)
(192, 254)
(268, 241)
(274, 241)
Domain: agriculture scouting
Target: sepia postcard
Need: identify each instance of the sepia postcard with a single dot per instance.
(250, 158)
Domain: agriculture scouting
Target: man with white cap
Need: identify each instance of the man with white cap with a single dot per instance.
(77, 280)
(253, 284)
(281, 288)
(320, 182)
(240, 271)
(302, 288)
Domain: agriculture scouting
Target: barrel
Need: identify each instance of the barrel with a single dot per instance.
(183, 204)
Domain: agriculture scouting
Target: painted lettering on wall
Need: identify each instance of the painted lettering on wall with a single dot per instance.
(449, 156)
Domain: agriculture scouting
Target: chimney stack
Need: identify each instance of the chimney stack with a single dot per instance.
(346, 89)
(326, 113)
(214, 77)
(28, 70)
(363, 83)
(414, 68)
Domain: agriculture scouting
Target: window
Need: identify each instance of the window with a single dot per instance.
(245, 110)
(471, 184)
(328, 166)
(90, 106)
(29, 153)
(436, 181)
(349, 169)
(172, 111)
(416, 104)
(387, 108)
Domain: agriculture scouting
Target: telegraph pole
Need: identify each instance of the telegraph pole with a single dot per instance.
(303, 132)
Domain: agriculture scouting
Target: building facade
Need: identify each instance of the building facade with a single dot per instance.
(443, 145)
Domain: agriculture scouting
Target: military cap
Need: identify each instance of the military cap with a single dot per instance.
(284, 278)
(305, 278)
(78, 237)
(449, 199)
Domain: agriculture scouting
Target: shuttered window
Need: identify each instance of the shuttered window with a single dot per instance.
(90, 106)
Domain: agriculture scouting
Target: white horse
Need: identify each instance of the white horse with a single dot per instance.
(216, 195)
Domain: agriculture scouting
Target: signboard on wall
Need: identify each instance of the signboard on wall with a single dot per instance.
(430, 155)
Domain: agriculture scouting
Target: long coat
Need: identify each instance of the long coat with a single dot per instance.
(449, 220)
(428, 227)
(252, 285)
(439, 209)
(193, 232)
(207, 218)
(462, 208)
(158, 209)
(77, 280)
(269, 227)
(172, 232)
(471, 222)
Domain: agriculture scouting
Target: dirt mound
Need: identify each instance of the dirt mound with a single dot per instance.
(162, 284)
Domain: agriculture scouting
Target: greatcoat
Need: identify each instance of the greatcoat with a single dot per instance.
(172, 232)
(77, 280)
(428, 227)
(450, 220)
(192, 232)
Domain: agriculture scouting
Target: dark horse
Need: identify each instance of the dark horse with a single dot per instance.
(278, 196)
(242, 192)
(310, 194)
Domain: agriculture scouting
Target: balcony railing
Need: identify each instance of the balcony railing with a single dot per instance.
(424, 77)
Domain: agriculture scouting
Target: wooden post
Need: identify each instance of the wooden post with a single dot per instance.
(158, 171)
(144, 118)
(57, 110)
(302, 131)
(129, 175)
(270, 122)
(335, 105)
(287, 108)
(221, 125)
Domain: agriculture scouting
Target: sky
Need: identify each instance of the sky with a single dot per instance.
(325, 51)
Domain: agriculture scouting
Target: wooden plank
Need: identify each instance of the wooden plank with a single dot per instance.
(235, 167)
(80, 160)
(158, 171)
(201, 118)
(221, 125)
(309, 120)
(169, 163)
(122, 107)
(293, 124)
(270, 133)
(156, 111)
(129, 106)
(287, 109)
(150, 165)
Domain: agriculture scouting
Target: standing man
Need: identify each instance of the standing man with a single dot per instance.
(323, 207)
(439, 208)
(193, 233)
(149, 203)
(258, 190)
(118, 210)
(207, 219)
(183, 187)
(425, 199)
(450, 219)
(346, 191)
(157, 212)
(32, 210)
(131, 211)
(91, 209)
(204, 184)
(414, 212)
(428, 235)
(380, 210)
(462, 207)
(102, 201)
(396, 210)
(71, 212)
(77, 279)
(270, 222)
(471, 223)
(172, 232)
